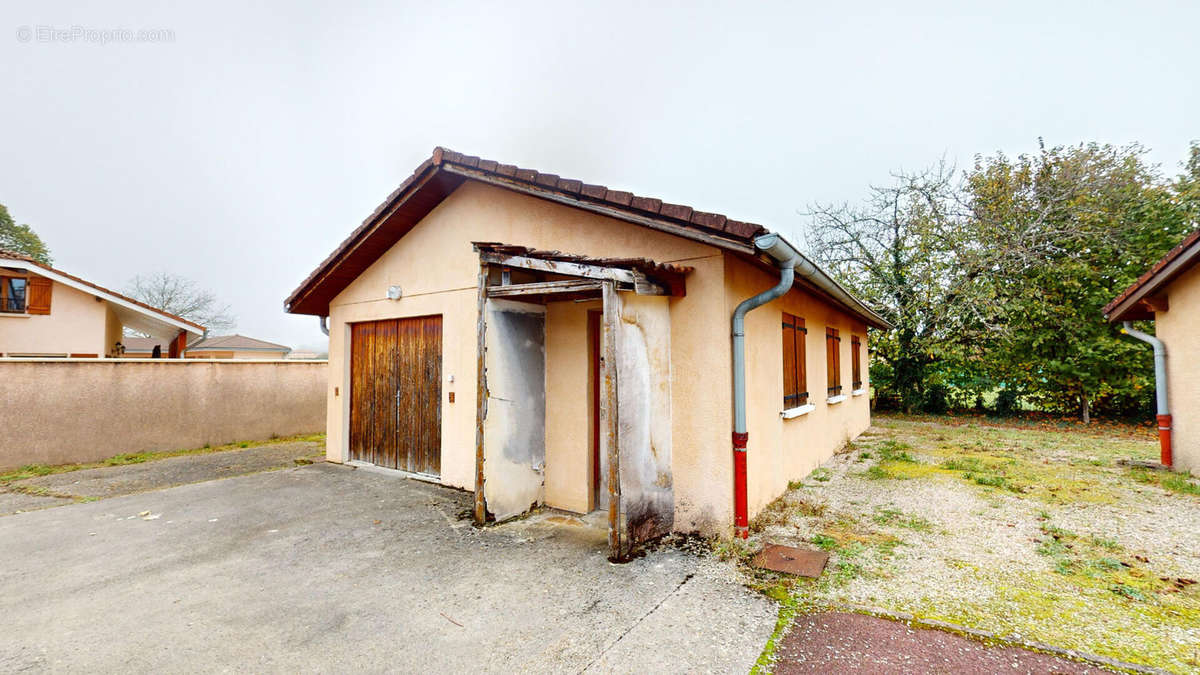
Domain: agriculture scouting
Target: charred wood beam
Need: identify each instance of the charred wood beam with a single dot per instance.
(480, 393)
(637, 280)
(544, 288)
(609, 424)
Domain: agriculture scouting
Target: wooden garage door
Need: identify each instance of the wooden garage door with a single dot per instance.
(396, 393)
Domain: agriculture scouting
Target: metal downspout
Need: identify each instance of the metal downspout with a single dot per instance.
(324, 326)
(786, 258)
(1160, 389)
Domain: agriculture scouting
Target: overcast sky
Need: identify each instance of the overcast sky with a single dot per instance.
(243, 150)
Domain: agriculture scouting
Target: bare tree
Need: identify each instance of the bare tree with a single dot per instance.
(907, 251)
(182, 297)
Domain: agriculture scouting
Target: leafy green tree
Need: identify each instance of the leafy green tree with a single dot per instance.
(22, 239)
(994, 280)
(1061, 232)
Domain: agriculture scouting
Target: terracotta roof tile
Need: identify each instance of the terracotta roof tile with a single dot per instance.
(569, 185)
(593, 191)
(14, 255)
(618, 197)
(676, 211)
(713, 221)
(646, 204)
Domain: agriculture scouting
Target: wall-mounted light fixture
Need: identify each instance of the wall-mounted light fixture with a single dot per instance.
(394, 293)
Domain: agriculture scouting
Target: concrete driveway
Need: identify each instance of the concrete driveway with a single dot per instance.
(324, 567)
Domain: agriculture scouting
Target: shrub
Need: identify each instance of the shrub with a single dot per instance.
(935, 400)
(1008, 402)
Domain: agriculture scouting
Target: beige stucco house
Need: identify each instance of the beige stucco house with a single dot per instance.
(235, 347)
(543, 341)
(212, 347)
(1169, 293)
(48, 313)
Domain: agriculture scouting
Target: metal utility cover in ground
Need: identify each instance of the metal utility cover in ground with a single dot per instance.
(792, 560)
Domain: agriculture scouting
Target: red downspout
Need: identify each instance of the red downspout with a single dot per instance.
(741, 512)
(1164, 439)
(1160, 389)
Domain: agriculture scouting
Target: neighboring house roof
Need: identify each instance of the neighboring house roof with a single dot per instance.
(1134, 302)
(133, 313)
(142, 344)
(445, 170)
(236, 343)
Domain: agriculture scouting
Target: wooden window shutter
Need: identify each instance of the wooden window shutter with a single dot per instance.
(856, 361)
(38, 292)
(833, 362)
(801, 361)
(789, 362)
(795, 387)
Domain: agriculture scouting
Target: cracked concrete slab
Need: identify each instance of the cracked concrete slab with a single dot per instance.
(324, 568)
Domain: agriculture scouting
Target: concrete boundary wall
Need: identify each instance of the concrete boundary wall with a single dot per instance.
(58, 411)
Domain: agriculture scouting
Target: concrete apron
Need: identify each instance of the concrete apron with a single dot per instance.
(324, 567)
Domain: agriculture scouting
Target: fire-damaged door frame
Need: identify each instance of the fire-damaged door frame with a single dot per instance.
(520, 273)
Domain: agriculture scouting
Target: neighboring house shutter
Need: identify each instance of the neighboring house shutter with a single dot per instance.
(40, 290)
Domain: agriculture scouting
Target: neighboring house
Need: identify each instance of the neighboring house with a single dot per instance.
(47, 313)
(1169, 294)
(585, 361)
(235, 347)
(142, 347)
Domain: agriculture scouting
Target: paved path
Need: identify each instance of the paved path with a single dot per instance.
(324, 568)
(834, 642)
(113, 481)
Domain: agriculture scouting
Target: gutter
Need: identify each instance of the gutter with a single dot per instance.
(1160, 389)
(787, 259)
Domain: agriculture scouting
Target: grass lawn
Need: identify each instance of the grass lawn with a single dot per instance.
(1025, 532)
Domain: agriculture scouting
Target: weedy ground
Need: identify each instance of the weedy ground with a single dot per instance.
(1038, 534)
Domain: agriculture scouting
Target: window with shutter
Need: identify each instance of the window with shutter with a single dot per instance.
(856, 361)
(40, 290)
(833, 361)
(13, 293)
(795, 382)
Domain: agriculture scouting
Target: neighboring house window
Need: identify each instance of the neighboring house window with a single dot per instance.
(12, 294)
(833, 361)
(795, 380)
(856, 361)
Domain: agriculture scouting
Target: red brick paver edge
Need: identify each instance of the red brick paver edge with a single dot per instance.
(840, 642)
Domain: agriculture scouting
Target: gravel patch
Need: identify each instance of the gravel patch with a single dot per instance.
(1034, 535)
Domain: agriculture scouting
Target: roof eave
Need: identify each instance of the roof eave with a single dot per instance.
(1129, 305)
(712, 229)
(109, 296)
